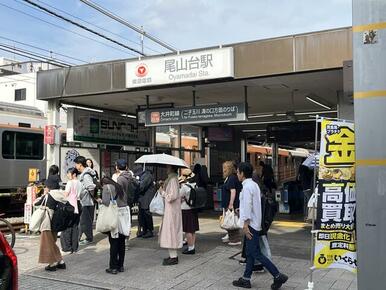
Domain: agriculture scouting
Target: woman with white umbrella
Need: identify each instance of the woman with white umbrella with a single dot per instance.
(170, 236)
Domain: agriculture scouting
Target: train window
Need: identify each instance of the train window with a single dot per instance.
(19, 145)
(8, 145)
(29, 146)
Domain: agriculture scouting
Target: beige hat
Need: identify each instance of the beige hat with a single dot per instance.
(185, 174)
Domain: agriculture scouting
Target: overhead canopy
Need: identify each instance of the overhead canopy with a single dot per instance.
(285, 79)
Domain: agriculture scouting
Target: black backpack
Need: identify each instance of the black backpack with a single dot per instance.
(63, 218)
(268, 212)
(197, 197)
(98, 186)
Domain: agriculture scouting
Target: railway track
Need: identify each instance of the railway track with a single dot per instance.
(16, 223)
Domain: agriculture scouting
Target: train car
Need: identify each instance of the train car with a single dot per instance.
(22, 147)
(289, 160)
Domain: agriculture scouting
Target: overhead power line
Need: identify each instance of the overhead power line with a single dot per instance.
(42, 49)
(29, 56)
(83, 27)
(15, 80)
(124, 22)
(65, 29)
(59, 61)
(101, 28)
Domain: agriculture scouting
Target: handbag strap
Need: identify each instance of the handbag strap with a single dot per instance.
(111, 194)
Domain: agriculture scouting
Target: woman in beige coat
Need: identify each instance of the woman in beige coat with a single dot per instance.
(49, 252)
(170, 236)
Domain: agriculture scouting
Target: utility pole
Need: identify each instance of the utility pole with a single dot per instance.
(369, 60)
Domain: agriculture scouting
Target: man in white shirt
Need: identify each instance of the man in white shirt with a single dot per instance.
(250, 221)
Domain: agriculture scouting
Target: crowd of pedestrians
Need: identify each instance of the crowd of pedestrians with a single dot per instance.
(84, 191)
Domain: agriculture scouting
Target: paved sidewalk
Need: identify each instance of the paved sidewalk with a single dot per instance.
(211, 268)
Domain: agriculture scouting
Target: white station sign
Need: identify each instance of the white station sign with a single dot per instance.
(184, 67)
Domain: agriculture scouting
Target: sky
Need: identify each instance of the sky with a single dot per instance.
(184, 24)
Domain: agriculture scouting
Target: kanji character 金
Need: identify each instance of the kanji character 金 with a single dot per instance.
(340, 147)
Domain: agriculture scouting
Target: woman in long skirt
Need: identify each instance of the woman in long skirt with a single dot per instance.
(49, 252)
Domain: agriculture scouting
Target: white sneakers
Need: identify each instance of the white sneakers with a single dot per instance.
(225, 240)
(234, 244)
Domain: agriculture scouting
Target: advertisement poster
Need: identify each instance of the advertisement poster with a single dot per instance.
(335, 245)
(68, 155)
(104, 128)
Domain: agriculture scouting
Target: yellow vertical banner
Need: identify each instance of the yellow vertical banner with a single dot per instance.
(335, 245)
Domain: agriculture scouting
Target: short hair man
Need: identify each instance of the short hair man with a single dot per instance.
(250, 220)
(86, 179)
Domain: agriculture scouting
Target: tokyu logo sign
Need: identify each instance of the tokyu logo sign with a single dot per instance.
(141, 70)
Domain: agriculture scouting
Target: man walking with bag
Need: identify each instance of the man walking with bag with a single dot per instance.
(250, 220)
(87, 197)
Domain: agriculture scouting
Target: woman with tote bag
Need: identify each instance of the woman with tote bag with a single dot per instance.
(49, 252)
(113, 193)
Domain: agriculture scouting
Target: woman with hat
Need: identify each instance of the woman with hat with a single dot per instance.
(190, 224)
(49, 252)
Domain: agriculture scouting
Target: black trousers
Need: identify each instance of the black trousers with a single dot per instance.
(117, 251)
(86, 222)
(145, 220)
(69, 239)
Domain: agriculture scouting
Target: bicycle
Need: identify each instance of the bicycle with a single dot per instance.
(8, 231)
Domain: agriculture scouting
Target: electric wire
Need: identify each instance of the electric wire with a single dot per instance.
(68, 30)
(42, 49)
(59, 61)
(15, 80)
(126, 23)
(28, 56)
(104, 29)
(83, 27)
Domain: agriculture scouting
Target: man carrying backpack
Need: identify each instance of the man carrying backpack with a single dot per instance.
(145, 193)
(87, 179)
(127, 181)
(250, 220)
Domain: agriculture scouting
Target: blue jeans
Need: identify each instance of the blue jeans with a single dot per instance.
(253, 252)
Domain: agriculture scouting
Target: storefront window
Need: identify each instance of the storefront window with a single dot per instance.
(167, 136)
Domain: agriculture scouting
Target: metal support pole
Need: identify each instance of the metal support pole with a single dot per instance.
(147, 101)
(142, 32)
(311, 282)
(246, 100)
(194, 98)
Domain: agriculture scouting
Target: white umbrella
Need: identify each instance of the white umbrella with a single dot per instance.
(312, 161)
(164, 159)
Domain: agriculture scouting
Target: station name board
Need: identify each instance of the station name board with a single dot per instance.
(184, 67)
(196, 115)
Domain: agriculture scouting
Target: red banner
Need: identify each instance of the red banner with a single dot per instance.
(49, 134)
